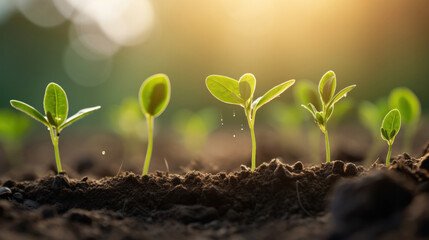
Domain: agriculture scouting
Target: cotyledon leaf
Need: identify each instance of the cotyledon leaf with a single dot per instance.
(154, 94)
(224, 89)
(273, 93)
(29, 110)
(82, 113)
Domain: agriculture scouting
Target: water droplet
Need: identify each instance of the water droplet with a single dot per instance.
(103, 153)
(233, 135)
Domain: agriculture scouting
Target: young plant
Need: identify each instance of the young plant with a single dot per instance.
(56, 108)
(327, 86)
(154, 96)
(240, 93)
(389, 129)
(408, 104)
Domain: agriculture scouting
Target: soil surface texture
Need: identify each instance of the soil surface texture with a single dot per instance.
(335, 200)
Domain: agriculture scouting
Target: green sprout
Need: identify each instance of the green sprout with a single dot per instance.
(408, 104)
(389, 129)
(154, 96)
(240, 93)
(327, 86)
(56, 110)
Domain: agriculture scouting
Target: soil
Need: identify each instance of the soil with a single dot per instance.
(335, 200)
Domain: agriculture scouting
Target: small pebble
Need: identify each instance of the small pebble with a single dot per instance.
(350, 170)
(5, 191)
(18, 196)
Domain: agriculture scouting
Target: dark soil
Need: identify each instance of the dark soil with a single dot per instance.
(278, 201)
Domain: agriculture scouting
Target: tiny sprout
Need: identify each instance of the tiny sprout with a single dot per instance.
(154, 96)
(408, 104)
(327, 86)
(389, 129)
(240, 93)
(56, 110)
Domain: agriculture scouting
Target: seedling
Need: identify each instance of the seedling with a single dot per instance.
(408, 104)
(327, 86)
(389, 129)
(240, 93)
(56, 108)
(154, 96)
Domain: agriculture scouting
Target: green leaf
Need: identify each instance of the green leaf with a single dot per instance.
(82, 113)
(407, 102)
(391, 125)
(29, 110)
(273, 93)
(327, 86)
(154, 94)
(224, 89)
(55, 104)
(310, 110)
(341, 94)
(247, 84)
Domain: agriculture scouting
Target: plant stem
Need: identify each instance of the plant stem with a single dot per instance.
(328, 151)
(55, 137)
(388, 155)
(251, 122)
(149, 145)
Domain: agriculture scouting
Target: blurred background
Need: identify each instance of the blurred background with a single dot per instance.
(100, 52)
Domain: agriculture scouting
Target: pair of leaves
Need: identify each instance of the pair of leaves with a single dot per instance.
(56, 109)
(327, 87)
(407, 103)
(391, 125)
(154, 95)
(241, 92)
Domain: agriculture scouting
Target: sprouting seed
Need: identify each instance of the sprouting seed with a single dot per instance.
(240, 93)
(154, 96)
(389, 129)
(327, 86)
(56, 110)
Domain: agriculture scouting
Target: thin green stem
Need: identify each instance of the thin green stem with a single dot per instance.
(149, 145)
(251, 122)
(389, 153)
(55, 137)
(328, 150)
